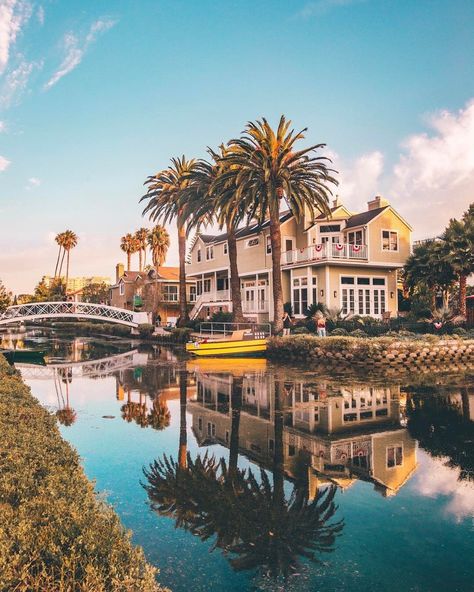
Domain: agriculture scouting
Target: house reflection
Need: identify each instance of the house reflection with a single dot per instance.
(332, 433)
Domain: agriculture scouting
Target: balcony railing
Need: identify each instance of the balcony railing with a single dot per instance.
(324, 252)
(222, 295)
(254, 306)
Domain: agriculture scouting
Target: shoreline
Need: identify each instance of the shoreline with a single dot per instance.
(54, 529)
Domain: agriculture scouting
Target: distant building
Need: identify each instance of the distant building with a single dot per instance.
(76, 284)
(155, 291)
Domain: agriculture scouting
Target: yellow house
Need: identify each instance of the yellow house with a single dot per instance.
(347, 261)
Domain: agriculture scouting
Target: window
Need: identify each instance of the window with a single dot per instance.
(389, 240)
(363, 281)
(198, 258)
(192, 294)
(223, 283)
(394, 456)
(209, 253)
(314, 290)
(347, 280)
(355, 237)
(200, 424)
(300, 295)
(268, 245)
(207, 285)
(227, 436)
(291, 450)
(121, 289)
(199, 287)
(170, 293)
(330, 228)
(211, 429)
(253, 242)
(378, 281)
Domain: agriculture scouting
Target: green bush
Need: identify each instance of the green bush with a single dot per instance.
(181, 335)
(339, 332)
(300, 331)
(222, 316)
(358, 333)
(460, 331)
(55, 534)
(145, 330)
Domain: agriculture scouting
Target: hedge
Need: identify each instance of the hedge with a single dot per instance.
(55, 533)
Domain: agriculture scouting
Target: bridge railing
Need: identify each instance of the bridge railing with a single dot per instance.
(68, 309)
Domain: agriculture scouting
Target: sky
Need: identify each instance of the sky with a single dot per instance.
(96, 95)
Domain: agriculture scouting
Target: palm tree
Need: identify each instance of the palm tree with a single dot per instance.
(69, 242)
(459, 245)
(141, 236)
(159, 417)
(159, 242)
(59, 240)
(213, 192)
(268, 170)
(166, 201)
(128, 244)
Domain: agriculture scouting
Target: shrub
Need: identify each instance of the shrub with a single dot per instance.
(55, 534)
(339, 332)
(145, 330)
(181, 335)
(300, 331)
(358, 333)
(222, 316)
(460, 331)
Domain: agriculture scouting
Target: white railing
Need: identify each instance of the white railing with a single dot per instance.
(222, 295)
(254, 306)
(325, 251)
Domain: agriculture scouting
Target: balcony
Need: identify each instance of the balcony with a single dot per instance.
(325, 252)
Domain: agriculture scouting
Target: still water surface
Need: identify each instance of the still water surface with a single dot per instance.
(266, 477)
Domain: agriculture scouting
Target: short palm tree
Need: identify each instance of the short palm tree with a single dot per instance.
(459, 249)
(128, 244)
(166, 196)
(269, 171)
(69, 242)
(159, 241)
(141, 236)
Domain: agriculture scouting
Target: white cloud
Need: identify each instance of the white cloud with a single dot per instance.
(40, 15)
(16, 82)
(4, 163)
(75, 49)
(436, 479)
(2, 127)
(33, 182)
(13, 15)
(321, 7)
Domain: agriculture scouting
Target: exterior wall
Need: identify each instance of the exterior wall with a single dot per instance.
(388, 220)
(393, 477)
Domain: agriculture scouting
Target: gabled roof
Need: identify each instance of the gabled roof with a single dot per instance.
(364, 217)
(333, 210)
(242, 232)
(168, 273)
(131, 276)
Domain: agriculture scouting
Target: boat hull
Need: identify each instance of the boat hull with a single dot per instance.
(230, 348)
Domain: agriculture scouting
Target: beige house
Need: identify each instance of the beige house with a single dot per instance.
(348, 261)
(155, 292)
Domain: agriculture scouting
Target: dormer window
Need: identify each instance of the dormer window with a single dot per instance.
(209, 253)
(253, 242)
(198, 258)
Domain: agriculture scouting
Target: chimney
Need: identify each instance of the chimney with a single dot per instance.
(336, 202)
(377, 202)
(119, 271)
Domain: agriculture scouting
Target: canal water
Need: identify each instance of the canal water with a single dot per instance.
(242, 475)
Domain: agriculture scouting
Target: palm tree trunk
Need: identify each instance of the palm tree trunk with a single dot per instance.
(129, 260)
(278, 454)
(57, 263)
(275, 238)
(144, 257)
(67, 270)
(183, 306)
(462, 294)
(234, 276)
(62, 262)
(183, 399)
(140, 260)
(236, 404)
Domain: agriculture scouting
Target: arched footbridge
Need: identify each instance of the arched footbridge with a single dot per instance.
(36, 311)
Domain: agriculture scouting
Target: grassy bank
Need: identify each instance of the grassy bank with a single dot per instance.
(55, 534)
(423, 352)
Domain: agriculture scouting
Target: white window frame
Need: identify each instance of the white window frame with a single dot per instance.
(121, 288)
(248, 241)
(268, 245)
(389, 250)
(225, 248)
(370, 286)
(354, 232)
(199, 255)
(400, 445)
(210, 253)
(206, 282)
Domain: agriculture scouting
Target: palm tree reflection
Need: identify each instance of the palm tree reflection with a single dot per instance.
(249, 516)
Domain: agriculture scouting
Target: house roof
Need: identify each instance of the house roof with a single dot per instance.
(243, 232)
(131, 276)
(168, 273)
(364, 217)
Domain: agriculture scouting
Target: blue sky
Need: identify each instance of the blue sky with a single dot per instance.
(96, 95)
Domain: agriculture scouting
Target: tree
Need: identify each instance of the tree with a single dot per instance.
(213, 192)
(459, 251)
(55, 291)
(166, 196)
(159, 241)
(5, 298)
(141, 236)
(59, 240)
(269, 171)
(128, 244)
(69, 241)
(96, 292)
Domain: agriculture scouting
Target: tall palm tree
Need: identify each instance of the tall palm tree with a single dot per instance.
(128, 244)
(59, 240)
(69, 242)
(159, 241)
(212, 192)
(166, 200)
(270, 170)
(141, 236)
(459, 245)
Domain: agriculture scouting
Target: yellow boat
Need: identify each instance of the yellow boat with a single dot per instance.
(234, 366)
(240, 343)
